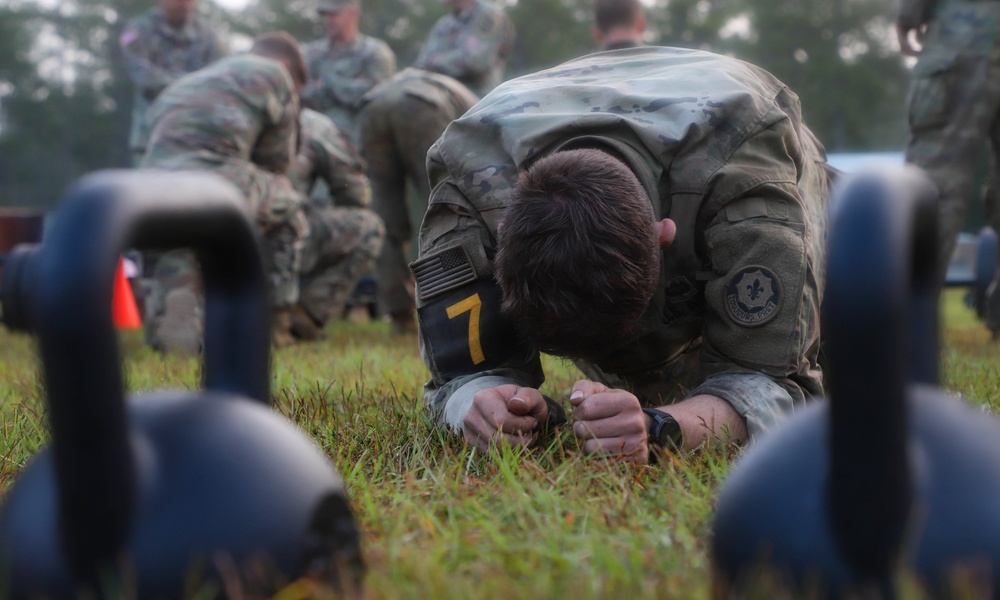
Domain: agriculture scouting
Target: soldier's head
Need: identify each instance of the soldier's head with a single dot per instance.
(618, 21)
(177, 12)
(579, 253)
(282, 47)
(340, 17)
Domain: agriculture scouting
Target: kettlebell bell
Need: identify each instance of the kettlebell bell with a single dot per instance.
(139, 497)
(889, 475)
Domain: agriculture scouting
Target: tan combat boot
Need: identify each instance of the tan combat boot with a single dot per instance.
(281, 328)
(304, 326)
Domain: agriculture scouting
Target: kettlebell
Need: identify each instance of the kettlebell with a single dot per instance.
(889, 475)
(138, 497)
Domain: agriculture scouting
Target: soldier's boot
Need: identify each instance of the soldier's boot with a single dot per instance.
(401, 322)
(281, 328)
(304, 326)
(179, 328)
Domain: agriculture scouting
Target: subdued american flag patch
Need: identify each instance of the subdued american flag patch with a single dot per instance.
(442, 271)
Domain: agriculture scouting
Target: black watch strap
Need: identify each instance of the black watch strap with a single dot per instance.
(556, 414)
(665, 431)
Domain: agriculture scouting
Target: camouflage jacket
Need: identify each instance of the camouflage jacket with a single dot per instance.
(433, 88)
(239, 109)
(326, 153)
(958, 32)
(340, 76)
(157, 54)
(472, 47)
(725, 155)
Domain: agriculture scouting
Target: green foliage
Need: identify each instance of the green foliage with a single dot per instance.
(65, 99)
(441, 520)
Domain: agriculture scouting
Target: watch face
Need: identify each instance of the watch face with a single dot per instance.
(666, 431)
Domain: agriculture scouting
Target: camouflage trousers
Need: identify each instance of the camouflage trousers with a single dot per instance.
(396, 132)
(342, 246)
(954, 105)
(172, 297)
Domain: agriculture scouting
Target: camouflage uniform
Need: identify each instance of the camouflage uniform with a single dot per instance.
(954, 105)
(725, 155)
(399, 120)
(156, 54)
(238, 118)
(340, 76)
(345, 235)
(471, 46)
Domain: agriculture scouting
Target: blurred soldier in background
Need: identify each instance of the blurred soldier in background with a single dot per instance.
(239, 118)
(399, 120)
(343, 65)
(618, 24)
(159, 46)
(470, 44)
(345, 235)
(954, 105)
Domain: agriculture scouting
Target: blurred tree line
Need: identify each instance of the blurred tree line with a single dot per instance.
(65, 98)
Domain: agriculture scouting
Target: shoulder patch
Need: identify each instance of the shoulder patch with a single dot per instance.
(753, 296)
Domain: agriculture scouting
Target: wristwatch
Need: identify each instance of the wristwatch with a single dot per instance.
(665, 431)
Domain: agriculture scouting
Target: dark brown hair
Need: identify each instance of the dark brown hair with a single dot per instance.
(609, 14)
(280, 45)
(578, 258)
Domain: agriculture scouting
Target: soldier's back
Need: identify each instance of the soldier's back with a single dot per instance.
(217, 113)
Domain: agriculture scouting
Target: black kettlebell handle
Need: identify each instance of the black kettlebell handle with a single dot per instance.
(62, 290)
(70, 278)
(884, 241)
(881, 301)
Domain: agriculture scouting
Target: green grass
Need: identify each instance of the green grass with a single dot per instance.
(441, 520)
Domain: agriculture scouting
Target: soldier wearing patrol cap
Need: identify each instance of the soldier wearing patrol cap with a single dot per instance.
(344, 64)
(655, 214)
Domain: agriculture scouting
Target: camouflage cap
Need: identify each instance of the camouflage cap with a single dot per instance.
(334, 5)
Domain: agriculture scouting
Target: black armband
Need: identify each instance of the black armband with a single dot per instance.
(460, 316)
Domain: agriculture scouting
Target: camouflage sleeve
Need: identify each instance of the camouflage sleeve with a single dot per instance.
(340, 166)
(465, 342)
(330, 89)
(475, 50)
(914, 13)
(150, 79)
(275, 146)
(761, 331)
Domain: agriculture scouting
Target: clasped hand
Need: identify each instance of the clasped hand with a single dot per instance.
(608, 422)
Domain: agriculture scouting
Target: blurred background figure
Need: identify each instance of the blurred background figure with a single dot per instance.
(954, 102)
(237, 118)
(618, 24)
(345, 234)
(471, 44)
(159, 46)
(344, 64)
(399, 121)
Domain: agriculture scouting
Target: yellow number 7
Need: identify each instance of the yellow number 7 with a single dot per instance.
(472, 305)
